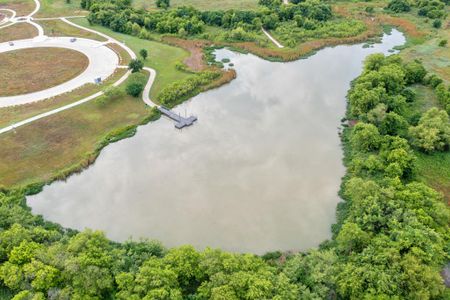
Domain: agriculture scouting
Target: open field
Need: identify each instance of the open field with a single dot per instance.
(61, 28)
(65, 141)
(434, 170)
(435, 58)
(10, 115)
(60, 8)
(425, 98)
(48, 67)
(163, 58)
(22, 7)
(202, 4)
(17, 31)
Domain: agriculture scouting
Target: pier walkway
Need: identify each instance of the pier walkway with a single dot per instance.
(180, 122)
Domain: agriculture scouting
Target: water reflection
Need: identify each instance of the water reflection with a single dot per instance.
(260, 170)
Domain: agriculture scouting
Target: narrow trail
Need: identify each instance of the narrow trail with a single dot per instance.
(272, 38)
(7, 18)
(41, 36)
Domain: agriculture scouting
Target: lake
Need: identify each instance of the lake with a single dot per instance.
(260, 170)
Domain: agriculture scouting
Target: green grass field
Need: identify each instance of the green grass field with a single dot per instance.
(60, 28)
(202, 4)
(434, 169)
(46, 148)
(60, 8)
(163, 58)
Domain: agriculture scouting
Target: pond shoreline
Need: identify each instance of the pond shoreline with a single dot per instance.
(196, 129)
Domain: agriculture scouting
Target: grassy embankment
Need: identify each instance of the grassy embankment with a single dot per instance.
(163, 58)
(60, 144)
(61, 28)
(60, 8)
(60, 65)
(202, 4)
(53, 147)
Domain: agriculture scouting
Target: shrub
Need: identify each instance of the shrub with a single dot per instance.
(111, 94)
(399, 6)
(442, 43)
(135, 65)
(433, 80)
(414, 72)
(134, 89)
(437, 23)
(433, 131)
(365, 137)
(163, 4)
(136, 84)
(370, 9)
(183, 89)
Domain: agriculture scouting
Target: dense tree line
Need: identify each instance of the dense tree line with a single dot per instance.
(179, 91)
(390, 241)
(121, 17)
(433, 9)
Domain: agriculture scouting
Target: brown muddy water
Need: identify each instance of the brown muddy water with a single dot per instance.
(260, 170)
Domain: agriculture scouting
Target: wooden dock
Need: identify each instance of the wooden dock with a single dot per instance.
(180, 122)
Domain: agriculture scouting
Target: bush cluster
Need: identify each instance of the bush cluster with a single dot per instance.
(179, 91)
(135, 84)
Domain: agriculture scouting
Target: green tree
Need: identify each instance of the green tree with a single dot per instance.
(399, 6)
(143, 53)
(351, 238)
(165, 4)
(433, 131)
(414, 72)
(365, 137)
(135, 65)
(154, 280)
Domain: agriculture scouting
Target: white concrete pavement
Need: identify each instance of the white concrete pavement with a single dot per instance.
(7, 17)
(148, 87)
(102, 63)
(43, 40)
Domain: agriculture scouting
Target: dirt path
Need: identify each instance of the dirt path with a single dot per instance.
(194, 62)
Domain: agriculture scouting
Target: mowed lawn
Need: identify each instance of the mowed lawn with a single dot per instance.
(60, 8)
(163, 58)
(202, 4)
(434, 170)
(30, 70)
(49, 147)
(19, 31)
(61, 28)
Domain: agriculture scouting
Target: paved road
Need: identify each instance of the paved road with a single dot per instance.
(102, 63)
(7, 18)
(43, 40)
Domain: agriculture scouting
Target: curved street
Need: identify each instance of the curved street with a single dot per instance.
(103, 61)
